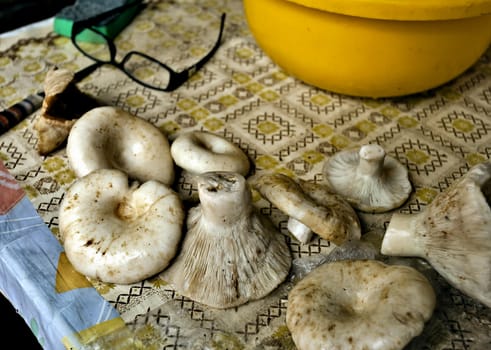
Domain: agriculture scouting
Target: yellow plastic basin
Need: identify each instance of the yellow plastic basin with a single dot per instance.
(372, 48)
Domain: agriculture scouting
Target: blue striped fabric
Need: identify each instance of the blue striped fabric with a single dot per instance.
(29, 260)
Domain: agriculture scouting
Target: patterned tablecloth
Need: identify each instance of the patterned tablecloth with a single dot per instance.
(283, 125)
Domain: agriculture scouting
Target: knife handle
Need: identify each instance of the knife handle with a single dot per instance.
(13, 115)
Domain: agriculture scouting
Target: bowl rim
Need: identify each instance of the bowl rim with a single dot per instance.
(414, 10)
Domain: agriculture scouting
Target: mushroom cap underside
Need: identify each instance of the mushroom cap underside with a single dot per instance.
(457, 242)
(231, 256)
(380, 190)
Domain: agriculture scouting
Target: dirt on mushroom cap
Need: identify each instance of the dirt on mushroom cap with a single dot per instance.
(116, 233)
(325, 213)
(354, 304)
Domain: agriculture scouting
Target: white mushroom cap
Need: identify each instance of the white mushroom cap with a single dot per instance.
(109, 137)
(231, 253)
(368, 178)
(200, 152)
(359, 304)
(453, 233)
(310, 207)
(117, 233)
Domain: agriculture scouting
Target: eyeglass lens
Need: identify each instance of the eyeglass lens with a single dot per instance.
(98, 49)
(146, 71)
(140, 67)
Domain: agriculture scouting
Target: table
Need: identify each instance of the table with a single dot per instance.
(283, 125)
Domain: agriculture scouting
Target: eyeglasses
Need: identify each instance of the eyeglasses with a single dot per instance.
(138, 66)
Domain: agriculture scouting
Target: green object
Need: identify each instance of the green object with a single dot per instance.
(111, 27)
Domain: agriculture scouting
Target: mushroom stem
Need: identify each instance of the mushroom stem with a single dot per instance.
(225, 198)
(453, 234)
(301, 231)
(371, 160)
(323, 212)
(127, 210)
(400, 238)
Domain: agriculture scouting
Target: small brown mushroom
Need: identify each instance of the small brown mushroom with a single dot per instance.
(368, 179)
(310, 207)
(231, 253)
(62, 105)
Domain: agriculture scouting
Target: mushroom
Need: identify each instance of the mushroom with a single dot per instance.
(368, 179)
(231, 253)
(359, 304)
(310, 208)
(109, 137)
(199, 152)
(453, 233)
(119, 233)
(62, 105)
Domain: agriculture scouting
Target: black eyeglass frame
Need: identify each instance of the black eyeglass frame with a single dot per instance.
(176, 79)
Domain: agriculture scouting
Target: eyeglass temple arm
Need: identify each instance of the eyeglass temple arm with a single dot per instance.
(178, 78)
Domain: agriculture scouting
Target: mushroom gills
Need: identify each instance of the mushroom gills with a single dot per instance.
(453, 233)
(368, 178)
(231, 253)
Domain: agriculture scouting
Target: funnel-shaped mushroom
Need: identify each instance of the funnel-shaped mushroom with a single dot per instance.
(117, 233)
(453, 234)
(231, 254)
(109, 137)
(199, 152)
(359, 304)
(62, 105)
(368, 178)
(310, 208)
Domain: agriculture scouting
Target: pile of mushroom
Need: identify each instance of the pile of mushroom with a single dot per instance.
(121, 222)
(310, 208)
(110, 230)
(453, 234)
(62, 105)
(368, 179)
(119, 233)
(231, 253)
(359, 304)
